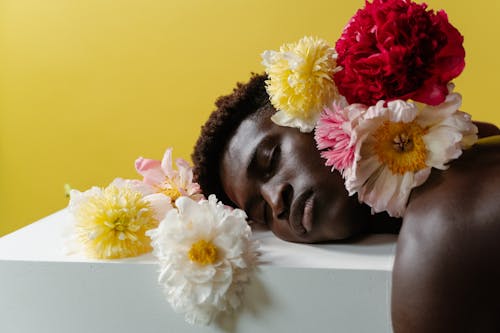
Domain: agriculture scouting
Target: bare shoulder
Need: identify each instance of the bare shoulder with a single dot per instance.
(446, 276)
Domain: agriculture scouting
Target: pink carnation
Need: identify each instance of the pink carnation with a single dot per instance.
(334, 136)
(397, 49)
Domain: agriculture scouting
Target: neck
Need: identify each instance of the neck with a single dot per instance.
(382, 223)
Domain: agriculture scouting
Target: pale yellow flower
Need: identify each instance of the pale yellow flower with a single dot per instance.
(112, 222)
(300, 81)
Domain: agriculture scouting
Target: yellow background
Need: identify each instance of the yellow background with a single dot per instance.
(87, 86)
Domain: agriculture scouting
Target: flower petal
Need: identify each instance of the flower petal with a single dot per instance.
(160, 203)
(281, 118)
(150, 170)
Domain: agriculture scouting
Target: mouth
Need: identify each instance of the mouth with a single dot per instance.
(301, 220)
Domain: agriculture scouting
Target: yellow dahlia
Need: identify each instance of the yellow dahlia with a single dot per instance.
(112, 222)
(300, 81)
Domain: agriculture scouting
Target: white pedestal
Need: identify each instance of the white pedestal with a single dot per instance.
(297, 288)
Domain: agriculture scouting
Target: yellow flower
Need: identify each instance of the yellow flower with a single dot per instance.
(112, 222)
(300, 81)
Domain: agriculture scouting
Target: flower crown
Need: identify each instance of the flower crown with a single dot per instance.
(384, 113)
(380, 102)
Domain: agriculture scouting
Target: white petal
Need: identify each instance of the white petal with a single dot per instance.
(375, 111)
(268, 58)
(160, 204)
(442, 146)
(166, 164)
(142, 187)
(185, 172)
(77, 198)
(432, 115)
(396, 207)
(281, 118)
(383, 190)
(401, 111)
(293, 59)
(363, 171)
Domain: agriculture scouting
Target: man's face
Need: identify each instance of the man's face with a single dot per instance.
(278, 177)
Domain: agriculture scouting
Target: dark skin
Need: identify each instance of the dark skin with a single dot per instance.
(446, 273)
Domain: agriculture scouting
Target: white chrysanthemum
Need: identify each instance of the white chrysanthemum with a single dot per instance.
(205, 255)
(400, 143)
(300, 81)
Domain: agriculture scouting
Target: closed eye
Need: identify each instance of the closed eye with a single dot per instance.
(273, 161)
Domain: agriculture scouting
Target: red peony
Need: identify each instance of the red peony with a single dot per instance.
(397, 49)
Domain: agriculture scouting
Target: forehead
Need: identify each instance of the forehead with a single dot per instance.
(238, 154)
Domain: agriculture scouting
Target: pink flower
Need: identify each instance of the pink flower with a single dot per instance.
(161, 177)
(334, 135)
(397, 49)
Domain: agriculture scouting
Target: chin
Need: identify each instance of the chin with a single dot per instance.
(342, 221)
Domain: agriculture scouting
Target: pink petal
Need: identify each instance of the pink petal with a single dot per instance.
(166, 164)
(185, 172)
(150, 170)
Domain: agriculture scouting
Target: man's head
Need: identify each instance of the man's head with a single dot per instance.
(274, 173)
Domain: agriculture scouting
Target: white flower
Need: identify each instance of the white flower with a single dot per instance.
(398, 144)
(205, 255)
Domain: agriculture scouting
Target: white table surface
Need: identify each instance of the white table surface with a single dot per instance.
(44, 241)
(342, 287)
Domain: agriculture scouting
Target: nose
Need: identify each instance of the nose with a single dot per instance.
(278, 196)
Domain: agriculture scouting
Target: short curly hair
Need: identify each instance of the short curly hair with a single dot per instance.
(246, 99)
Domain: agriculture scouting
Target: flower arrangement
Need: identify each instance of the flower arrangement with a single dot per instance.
(395, 146)
(384, 114)
(203, 248)
(394, 114)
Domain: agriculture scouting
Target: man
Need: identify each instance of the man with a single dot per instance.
(446, 269)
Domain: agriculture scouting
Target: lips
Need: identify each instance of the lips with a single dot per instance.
(301, 219)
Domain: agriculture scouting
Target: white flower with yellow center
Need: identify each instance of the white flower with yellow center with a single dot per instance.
(112, 222)
(205, 255)
(400, 143)
(300, 81)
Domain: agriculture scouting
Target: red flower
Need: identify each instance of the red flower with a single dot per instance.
(397, 49)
